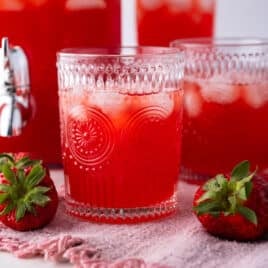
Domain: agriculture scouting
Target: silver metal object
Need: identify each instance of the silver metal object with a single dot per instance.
(15, 105)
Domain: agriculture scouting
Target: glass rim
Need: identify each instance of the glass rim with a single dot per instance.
(218, 42)
(118, 52)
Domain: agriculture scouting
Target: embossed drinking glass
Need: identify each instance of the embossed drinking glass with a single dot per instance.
(121, 123)
(226, 105)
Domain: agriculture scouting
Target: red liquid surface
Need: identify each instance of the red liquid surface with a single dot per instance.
(160, 22)
(223, 125)
(121, 151)
(41, 28)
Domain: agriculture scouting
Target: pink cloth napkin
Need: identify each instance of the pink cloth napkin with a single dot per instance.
(177, 241)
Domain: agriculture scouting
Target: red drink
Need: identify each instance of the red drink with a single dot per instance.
(41, 28)
(160, 22)
(226, 105)
(224, 124)
(120, 138)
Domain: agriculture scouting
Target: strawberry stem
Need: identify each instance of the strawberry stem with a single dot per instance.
(222, 195)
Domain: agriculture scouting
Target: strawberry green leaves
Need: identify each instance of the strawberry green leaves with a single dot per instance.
(22, 163)
(20, 211)
(28, 197)
(216, 184)
(22, 191)
(35, 176)
(36, 196)
(6, 157)
(9, 207)
(4, 188)
(248, 213)
(240, 171)
(204, 207)
(227, 196)
(245, 191)
(26, 162)
(9, 174)
(3, 197)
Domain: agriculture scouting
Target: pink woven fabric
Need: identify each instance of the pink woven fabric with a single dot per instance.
(177, 241)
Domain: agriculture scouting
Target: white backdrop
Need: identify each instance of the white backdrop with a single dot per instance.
(242, 18)
(233, 18)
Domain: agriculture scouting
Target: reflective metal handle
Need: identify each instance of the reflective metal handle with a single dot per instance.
(15, 96)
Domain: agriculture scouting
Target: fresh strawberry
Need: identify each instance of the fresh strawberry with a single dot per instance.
(234, 207)
(28, 197)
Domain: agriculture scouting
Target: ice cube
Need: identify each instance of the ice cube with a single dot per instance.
(85, 4)
(162, 100)
(256, 95)
(219, 93)
(179, 5)
(111, 103)
(151, 4)
(12, 5)
(192, 100)
(117, 106)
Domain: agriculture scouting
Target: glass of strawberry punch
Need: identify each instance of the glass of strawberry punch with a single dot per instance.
(225, 105)
(121, 120)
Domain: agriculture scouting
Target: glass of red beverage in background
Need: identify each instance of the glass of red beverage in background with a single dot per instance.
(42, 27)
(225, 106)
(121, 120)
(161, 21)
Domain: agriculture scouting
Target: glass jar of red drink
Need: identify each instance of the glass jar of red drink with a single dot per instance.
(161, 21)
(225, 105)
(121, 121)
(41, 27)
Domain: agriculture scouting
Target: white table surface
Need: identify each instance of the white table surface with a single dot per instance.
(176, 241)
(8, 260)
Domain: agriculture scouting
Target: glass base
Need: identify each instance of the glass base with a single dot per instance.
(121, 215)
(192, 177)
